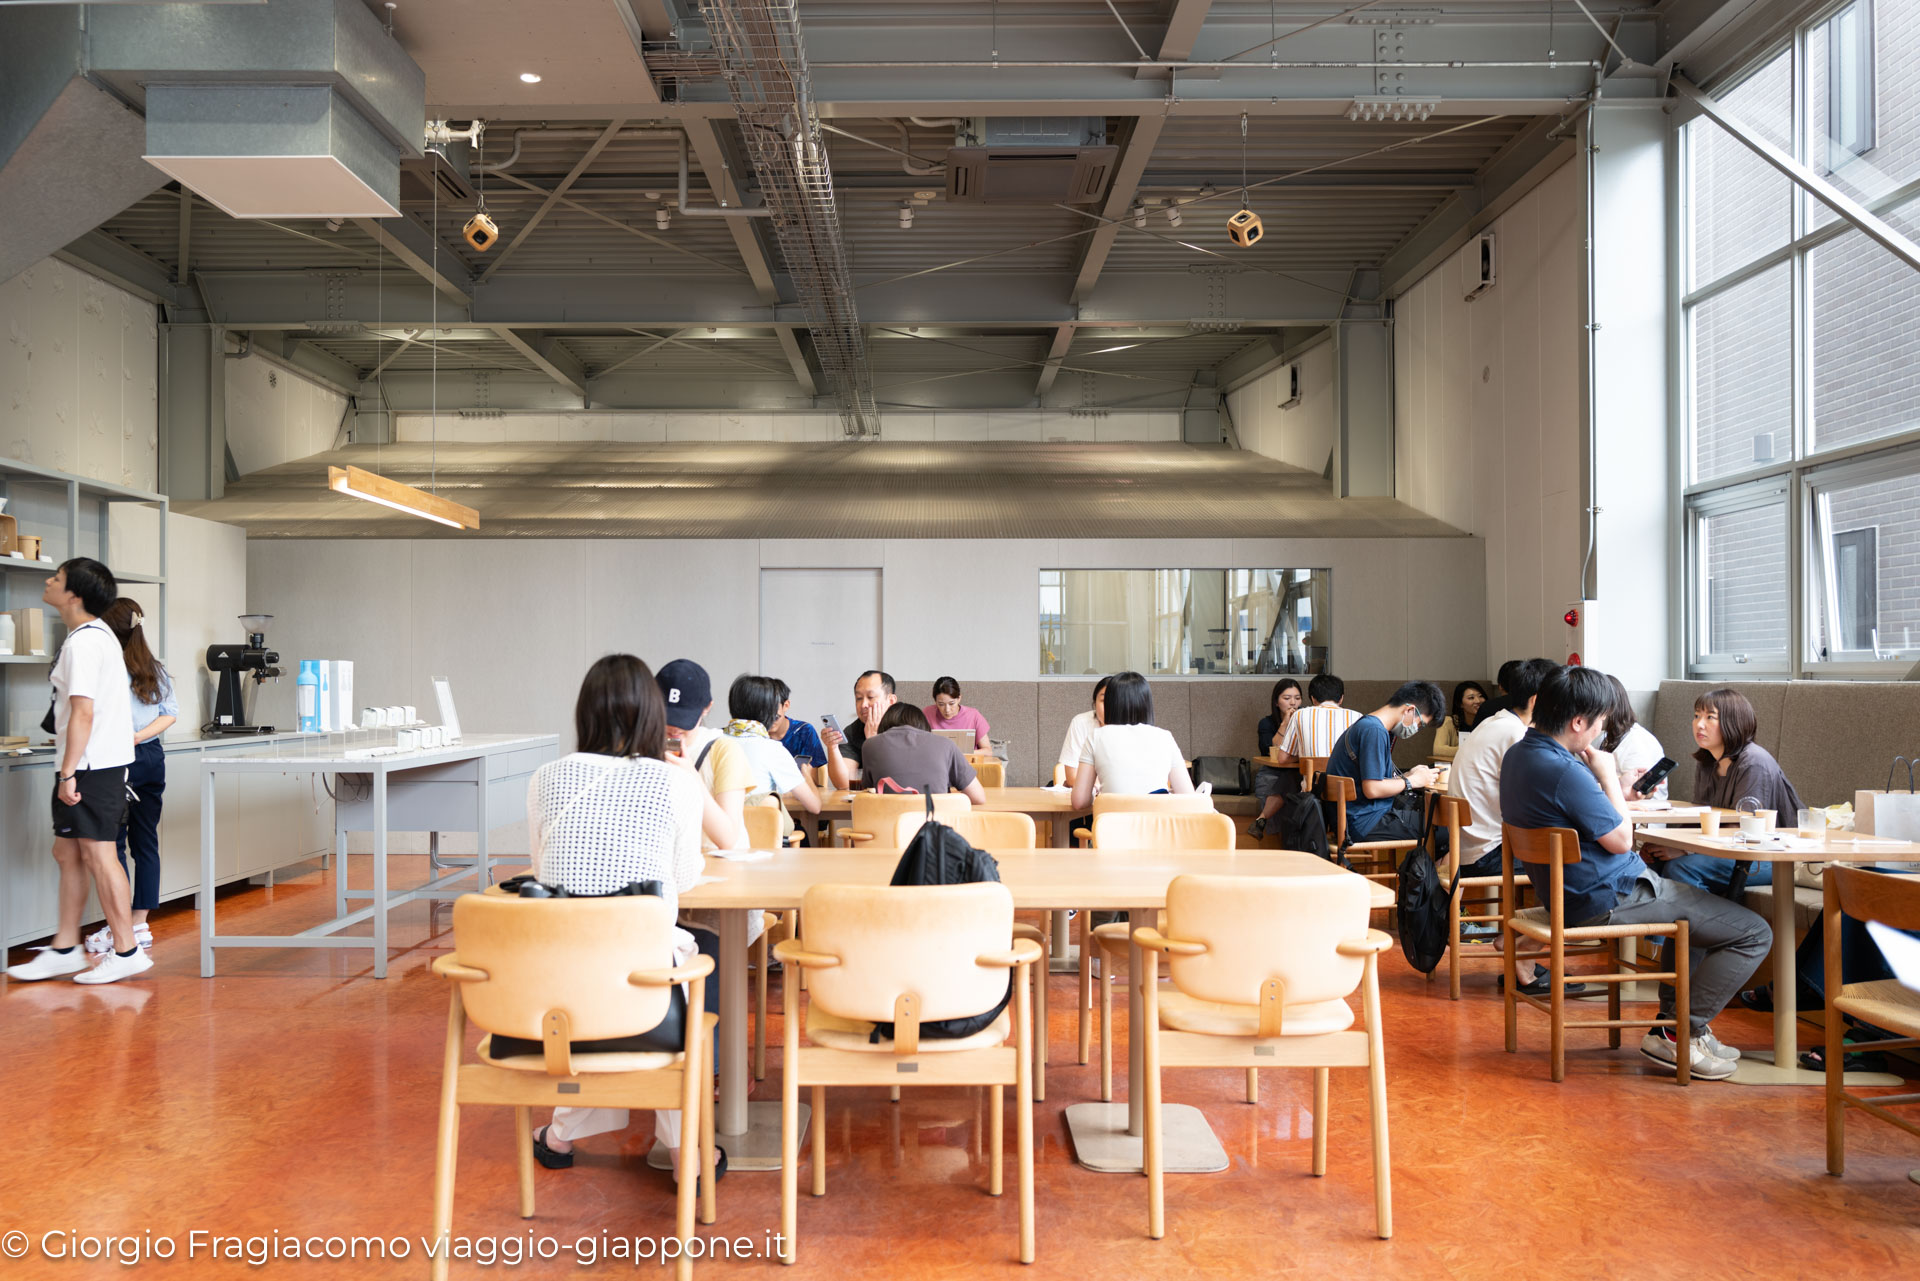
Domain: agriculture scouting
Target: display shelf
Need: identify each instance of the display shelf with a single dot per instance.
(31, 566)
(41, 659)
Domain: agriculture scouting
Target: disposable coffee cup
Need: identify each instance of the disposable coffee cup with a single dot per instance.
(1768, 819)
(1710, 823)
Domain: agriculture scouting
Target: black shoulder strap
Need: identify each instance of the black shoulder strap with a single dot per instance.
(701, 759)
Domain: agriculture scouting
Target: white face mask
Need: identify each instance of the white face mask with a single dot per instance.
(1407, 729)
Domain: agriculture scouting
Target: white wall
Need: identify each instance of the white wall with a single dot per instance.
(206, 594)
(78, 375)
(661, 426)
(514, 623)
(1487, 413)
(1303, 436)
(275, 415)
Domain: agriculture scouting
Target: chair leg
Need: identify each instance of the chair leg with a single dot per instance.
(1453, 946)
(1253, 1085)
(1613, 1011)
(709, 1154)
(1557, 1007)
(996, 1121)
(446, 1150)
(819, 1124)
(893, 1094)
(1682, 1006)
(759, 955)
(1040, 974)
(523, 1157)
(1151, 1139)
(1106, 1031)
(1320, 1076)
(1512, 940)
(1836, 1083)
(1377, 1105)
(790, 1117)
(1087, 951)
(1023, 1101)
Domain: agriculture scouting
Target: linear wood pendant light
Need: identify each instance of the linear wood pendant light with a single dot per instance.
(357, 482)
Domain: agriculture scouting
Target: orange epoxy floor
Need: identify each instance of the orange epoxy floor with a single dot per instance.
(295, 1095)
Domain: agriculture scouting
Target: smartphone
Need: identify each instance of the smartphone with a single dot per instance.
(831, 722)
(1655, 776)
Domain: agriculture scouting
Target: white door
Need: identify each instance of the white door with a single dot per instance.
(819, 629)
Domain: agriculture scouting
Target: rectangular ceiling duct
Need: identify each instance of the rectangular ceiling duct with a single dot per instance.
(759, 47)
(1030, 160)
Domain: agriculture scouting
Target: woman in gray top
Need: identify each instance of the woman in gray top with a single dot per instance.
(1732, 768)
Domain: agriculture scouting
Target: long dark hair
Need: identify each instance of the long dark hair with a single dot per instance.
(143, 669)
(1459, 696)
(1738, 724)
(620, 711)
(1620, 718)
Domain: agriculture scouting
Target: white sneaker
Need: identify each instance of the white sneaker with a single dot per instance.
(48, 964)
(1718, 1050)
(116, 967)
(1701, 1061)
(100, 942)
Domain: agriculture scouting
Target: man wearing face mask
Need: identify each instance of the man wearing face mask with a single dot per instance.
(1388, 807)
(1558, 777)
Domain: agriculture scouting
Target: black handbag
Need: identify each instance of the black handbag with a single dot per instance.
(668, 1036)
(1230, 775)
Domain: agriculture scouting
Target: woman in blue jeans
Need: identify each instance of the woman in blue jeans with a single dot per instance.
(1731, 768)
(154, 712)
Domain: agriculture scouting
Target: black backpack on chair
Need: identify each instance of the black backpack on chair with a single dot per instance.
(1421, 901)
(1302, 824)
(938, 855)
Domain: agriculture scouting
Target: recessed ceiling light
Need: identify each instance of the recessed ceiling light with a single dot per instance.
(925, 195)
(528, 77)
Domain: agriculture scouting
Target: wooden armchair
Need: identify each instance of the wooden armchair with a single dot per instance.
(1376, 860)
(560, 971)
(763, 833)
(874, 815)
(1262, 970)
(907, 955)
(1456, 815)
(1885, 1003)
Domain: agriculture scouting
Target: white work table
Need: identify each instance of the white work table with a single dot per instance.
(474, 786)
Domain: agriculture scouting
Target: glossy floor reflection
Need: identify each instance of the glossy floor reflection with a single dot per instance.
(296, 1095)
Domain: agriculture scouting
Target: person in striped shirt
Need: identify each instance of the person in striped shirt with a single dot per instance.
(1316, 728)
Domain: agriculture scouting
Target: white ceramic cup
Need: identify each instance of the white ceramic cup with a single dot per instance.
(1753, 824)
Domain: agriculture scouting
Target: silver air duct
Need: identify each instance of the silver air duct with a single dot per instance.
(765, 65)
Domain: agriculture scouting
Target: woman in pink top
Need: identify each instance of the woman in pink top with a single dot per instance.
(947, 712)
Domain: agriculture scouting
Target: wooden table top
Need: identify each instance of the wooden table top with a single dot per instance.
(1039, 879)
(1830, 847)
(1644, 815)
(1037, 801)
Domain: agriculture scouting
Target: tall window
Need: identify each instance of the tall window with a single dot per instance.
(1802, 370)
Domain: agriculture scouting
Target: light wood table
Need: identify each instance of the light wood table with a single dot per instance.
(1780, 1066)
(1130, 880)
(1644, 816)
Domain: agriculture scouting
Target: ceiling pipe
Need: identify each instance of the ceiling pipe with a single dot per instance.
(513, 157)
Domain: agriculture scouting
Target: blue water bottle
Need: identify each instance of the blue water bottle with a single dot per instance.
(307, 689)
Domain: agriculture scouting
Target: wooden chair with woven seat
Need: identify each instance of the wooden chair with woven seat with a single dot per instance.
(1124, 831)
(560, 971)
(1456, 815)
(908, 955)
(1885, 1003)
(1262, 968)
(763, 833)
(1546, 928)
(1377, 860)
(1184, 803)
(875, 815)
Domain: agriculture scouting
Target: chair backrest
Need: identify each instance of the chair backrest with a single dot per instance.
(1311, 767)
(1339, 789)
(982, 829)
(991, 773)
(878, 814)
(1875, 896)
(1455, 815)
(563, 954)
(892, 941)
(1136, 831)
(1544, 846)
(1059, 774)
(763, 827)
(1183, 803)
(1258, 928)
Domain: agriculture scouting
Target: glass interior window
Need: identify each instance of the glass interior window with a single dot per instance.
(1181, 622)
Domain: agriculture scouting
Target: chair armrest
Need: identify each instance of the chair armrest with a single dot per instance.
(1023, 952)
(1023, 931)
(1083, 835)
(1383, 845)
(449, 967)
(1153, 940)
(790, 952)
(849, 836)
(794, 838)
(698, 968)
(1374, 943)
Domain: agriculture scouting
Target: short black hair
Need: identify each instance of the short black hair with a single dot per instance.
(754, 698)
(93, 583)
(1507, 670)
(1525, 681)
(886, 681)
(1423, 696)
(1569, 694)
(619, 711)
(1099, 688)
(1129, 699)
(1326, 688)
(785, 690)
(903, 714)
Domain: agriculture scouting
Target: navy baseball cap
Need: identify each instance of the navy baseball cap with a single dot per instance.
(684, 684)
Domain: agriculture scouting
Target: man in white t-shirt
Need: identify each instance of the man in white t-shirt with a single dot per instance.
(1080, 732)
(93, 746)
(1315, 728)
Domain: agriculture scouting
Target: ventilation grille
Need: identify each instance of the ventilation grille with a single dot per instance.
(1029, 175)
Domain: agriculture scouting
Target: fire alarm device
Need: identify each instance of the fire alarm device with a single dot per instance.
(1571, 618)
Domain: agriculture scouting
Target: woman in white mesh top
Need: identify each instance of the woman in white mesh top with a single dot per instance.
(616, 811)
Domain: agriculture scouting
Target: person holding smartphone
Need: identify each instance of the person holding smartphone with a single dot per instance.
(872, 696)
(93, 746)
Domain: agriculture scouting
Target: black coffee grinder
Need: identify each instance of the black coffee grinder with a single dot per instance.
(230, 703)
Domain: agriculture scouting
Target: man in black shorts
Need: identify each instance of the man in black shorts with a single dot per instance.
(93, 745)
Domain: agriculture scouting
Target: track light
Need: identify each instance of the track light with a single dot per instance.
(1173, 214)
(906, 216)
(1139, 216)
(661, 218)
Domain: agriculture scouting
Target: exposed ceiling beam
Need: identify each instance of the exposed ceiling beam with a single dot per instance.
(550, 359)
(615, 223)
(1056, 355)
(796, 357)
(647, 350)
(1184, 18)
(118, 263)
(716, 349)
(585, 162)
(183, 268)
(1126, 184)
(415, 246)
(707, 149)
(1511, 173)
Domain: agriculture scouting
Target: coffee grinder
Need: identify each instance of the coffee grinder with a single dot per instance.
(230, 703)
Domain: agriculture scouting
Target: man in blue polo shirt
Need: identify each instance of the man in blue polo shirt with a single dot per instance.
(1557, 777)
(1388, 806)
